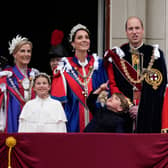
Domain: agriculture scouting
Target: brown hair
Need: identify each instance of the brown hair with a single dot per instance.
(131, 17)
(75, 29)
(42, 74)
(124, 102)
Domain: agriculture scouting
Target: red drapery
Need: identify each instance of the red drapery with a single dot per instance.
(165, 112)
(85, 150)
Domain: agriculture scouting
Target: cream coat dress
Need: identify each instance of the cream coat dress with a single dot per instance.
(42, 115)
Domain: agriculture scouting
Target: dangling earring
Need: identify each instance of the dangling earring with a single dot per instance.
(88, 50)
(73, 49)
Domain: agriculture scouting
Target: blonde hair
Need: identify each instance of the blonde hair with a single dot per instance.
(21, 44)
(17, 42)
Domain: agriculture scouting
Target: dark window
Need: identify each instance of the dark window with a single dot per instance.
(37, 23)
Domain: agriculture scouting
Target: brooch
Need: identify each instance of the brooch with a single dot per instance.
(154, 77)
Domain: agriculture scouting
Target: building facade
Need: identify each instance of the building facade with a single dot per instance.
(154, 14)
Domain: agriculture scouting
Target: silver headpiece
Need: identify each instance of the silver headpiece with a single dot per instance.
(43, 74)
(15, 41)
(75, 29)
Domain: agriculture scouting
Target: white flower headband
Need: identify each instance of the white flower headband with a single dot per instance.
(75, 29)
(15, 41)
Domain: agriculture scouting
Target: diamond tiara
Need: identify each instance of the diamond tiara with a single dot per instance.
(75, 29)
(15, 41)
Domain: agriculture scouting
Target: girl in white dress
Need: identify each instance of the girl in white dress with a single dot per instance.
(42, 114)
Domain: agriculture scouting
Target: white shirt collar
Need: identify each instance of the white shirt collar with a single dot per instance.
(136, 47)
(83, 64)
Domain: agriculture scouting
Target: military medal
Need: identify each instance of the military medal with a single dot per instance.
(154, 77)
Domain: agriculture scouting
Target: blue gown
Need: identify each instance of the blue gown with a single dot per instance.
(76, 95)
(15, 98)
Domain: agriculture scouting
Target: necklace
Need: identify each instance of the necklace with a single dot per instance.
(26, 84)
(28, 97)
(83, 84)
(85, 78)
(142, 75)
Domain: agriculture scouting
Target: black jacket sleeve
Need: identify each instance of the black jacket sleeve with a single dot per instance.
(91, 102)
